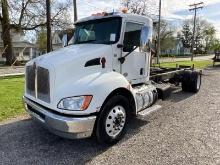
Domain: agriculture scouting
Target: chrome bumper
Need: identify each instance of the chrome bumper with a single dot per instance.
(68, 127)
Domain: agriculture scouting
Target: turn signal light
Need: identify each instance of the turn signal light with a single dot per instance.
(125, 10)
(87, 100)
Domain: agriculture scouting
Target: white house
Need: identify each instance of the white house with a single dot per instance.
(177, 50)
(62, 38)
(22, 48)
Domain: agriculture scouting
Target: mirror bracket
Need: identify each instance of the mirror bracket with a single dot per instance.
(121, 60)
(120, 46)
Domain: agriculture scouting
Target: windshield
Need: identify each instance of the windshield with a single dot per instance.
(103, 31)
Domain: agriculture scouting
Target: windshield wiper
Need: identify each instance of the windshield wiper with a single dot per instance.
(83, 42)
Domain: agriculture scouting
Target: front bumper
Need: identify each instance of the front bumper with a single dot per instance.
(64, 126)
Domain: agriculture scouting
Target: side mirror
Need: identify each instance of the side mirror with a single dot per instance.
(145, 39)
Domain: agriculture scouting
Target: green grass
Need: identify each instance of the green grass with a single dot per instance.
(11, 91)
(197, 64)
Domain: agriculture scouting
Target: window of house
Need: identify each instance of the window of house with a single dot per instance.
(132, 36)
(26, 52)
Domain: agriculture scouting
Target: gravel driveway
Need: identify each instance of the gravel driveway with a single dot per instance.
(185, 131)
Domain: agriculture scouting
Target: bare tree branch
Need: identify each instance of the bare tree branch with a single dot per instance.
(17, 27)
(31, 14)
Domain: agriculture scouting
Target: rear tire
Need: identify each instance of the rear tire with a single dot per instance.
(112, 121)
(195, 82)
(191, 81)
(185, 81)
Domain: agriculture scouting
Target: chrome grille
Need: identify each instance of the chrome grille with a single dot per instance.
(30, 80)
(43, 86)
(38, 82)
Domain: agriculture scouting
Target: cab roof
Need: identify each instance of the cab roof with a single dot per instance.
(125, 16)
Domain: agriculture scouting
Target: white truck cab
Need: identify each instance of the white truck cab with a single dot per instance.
(95, 84)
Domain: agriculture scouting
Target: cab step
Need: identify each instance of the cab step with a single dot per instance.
(147, 111)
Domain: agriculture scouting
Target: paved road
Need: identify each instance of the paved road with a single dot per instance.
(198, 58)
(185, 131)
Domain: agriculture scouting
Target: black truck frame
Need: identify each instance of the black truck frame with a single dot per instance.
(187, 76)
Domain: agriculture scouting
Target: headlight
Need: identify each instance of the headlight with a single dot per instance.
(78, 103)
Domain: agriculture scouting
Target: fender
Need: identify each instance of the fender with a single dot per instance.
(99, 85)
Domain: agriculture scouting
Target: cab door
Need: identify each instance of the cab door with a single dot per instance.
(134, 66)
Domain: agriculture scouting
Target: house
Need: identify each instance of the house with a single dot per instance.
(62, 38)
(177, 50)
(180, 49)
(22, 48)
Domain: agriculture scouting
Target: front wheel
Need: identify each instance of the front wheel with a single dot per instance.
(112, 121)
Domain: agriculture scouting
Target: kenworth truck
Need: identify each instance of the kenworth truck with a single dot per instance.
(93, 86)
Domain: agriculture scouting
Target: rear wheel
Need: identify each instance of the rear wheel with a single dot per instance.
(185, 81)
(191, 81)
(112, 122)
(195, 82)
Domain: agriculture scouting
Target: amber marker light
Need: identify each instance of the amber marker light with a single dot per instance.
(87, 100)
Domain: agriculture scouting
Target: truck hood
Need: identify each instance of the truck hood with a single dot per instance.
(72, 53)
(68, 64)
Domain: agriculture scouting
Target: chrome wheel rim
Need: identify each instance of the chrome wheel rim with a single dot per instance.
(115, 121)
(198, 82)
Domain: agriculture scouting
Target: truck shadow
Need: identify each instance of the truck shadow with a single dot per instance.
(26, 142)
(178, 95)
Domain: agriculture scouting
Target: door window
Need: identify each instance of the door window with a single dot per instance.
(132, 36)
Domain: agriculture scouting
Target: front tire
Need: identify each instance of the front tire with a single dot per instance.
(112, 121)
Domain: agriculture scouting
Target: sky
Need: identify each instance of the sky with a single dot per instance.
(172, 10)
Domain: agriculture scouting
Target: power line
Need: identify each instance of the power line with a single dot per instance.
(194, 8)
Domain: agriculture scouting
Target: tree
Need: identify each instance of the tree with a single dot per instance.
(168, 43)
(140, 7)
(6, 36)
(186, 36)
(204, 35)
(215, 45)
(24, 15)
(42, 40)
(149, 8)
(167, 40)
(209, 37)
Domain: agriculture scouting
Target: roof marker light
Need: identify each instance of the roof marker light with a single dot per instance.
(125, 10)
(100, 14)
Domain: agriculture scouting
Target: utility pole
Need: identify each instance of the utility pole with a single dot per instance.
(49, 44)
(75, 10)
(194, 8)
(158, 34)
